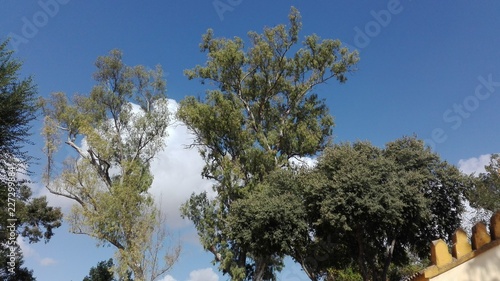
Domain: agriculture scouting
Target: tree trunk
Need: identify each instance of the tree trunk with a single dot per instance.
(388, 259)
(361, 254)
(260, 269)
(308, 271)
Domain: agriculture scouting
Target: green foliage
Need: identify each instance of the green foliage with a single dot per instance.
(348, 274)
(17, 109)
(486, 191)
(103, 271)
(35, 219)
(19, 272)
(270, 221)
(39, 219)
(382, 206)
(261, 114)
(415, 264)
(110, 177)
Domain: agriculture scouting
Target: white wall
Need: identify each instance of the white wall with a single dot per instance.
(484, 267)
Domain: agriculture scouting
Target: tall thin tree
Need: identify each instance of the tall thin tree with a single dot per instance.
(261, 114)
(120, 126)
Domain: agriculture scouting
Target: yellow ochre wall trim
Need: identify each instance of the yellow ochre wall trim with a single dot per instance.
(462, 251)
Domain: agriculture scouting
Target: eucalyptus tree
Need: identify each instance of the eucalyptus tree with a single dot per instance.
(258, 113)
(114, 132)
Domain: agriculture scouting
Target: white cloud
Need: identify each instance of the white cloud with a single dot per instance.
(304, 161)
(474, 165)
(52, 199)
(177, 172)
(29, 252)
(47, 261)
(168, 278)
(206, 274)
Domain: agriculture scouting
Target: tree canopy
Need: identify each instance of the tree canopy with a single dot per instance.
(380, 207)
(121, 126)
(486, 191)
(261, 113)
(103, 271)
(361, 213)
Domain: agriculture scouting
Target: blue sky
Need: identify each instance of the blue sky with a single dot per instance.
(430, 68)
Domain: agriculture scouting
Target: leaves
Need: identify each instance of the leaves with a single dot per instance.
(101, 272)
(17, 109)
(110, 175)
(383, 205)
(260, 113)
(35, 220)
(486, 190)
(271, 221)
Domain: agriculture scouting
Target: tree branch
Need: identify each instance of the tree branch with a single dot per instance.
(76, 148)
(69, 196)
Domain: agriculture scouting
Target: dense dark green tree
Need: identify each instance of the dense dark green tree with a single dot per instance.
(17, 109)
(18, 272)
(271, 221)
(103, 271)
(261, 113)
(33, 218)
(275, 223)
(486, 191)
(380, 207)
(442, 184)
